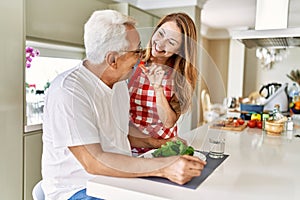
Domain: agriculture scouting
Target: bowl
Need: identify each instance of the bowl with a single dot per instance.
(273, 128)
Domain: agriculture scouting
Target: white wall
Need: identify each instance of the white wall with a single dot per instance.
(256, 76)
(280, 69)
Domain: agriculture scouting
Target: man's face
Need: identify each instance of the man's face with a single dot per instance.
(127, 61)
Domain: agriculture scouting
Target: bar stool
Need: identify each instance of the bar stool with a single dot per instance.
(37, 192)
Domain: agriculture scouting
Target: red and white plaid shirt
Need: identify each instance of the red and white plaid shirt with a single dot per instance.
(143, 111)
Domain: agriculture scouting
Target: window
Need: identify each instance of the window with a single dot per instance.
(52, 60)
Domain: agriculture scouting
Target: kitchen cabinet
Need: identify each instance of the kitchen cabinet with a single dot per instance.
(11, 98)
(145, 20)
(59, 20)
(32, 161)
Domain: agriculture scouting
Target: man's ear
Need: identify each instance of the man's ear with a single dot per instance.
(111, 58)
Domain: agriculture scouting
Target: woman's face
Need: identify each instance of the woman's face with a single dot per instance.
(166, 40)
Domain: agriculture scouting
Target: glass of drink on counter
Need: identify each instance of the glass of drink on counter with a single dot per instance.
(217, 147)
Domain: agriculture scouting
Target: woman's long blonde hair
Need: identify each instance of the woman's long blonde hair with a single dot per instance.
(184, 63)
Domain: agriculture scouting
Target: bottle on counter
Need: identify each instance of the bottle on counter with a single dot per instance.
(277, 115)
(293, 92)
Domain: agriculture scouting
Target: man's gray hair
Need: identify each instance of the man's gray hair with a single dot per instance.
(105, 31)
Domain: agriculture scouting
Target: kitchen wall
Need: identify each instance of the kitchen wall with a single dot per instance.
(253, 76)
(256, 76)
(214, 67)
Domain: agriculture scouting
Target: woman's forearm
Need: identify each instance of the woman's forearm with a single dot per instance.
(139, 139)
(166, 114)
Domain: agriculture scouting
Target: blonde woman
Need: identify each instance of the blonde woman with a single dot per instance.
(162, 86)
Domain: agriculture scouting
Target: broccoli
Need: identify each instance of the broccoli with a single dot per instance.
(173, 148)
(189, 151)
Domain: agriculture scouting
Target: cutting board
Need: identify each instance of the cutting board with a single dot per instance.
(229, 128)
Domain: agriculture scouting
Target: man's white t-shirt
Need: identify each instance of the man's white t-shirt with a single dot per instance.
(80, 109)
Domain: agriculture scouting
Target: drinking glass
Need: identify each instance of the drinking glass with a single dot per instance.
(217, 147)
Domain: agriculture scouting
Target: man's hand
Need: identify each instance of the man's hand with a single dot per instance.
(183, 169)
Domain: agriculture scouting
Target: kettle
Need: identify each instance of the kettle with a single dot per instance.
(269, 89)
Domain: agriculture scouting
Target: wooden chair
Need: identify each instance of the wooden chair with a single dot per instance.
(205, 104)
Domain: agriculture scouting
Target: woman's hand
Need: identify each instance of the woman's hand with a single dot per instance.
(155, 74)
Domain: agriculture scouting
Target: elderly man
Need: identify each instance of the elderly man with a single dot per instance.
(86, 119)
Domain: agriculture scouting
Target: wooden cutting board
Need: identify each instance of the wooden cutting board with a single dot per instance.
(229, 128)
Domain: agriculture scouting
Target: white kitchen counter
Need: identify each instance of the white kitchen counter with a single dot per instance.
(259, 167)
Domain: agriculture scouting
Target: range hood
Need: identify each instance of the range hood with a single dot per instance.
(271, 26)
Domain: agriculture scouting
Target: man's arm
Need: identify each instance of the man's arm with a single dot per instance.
(179, 169)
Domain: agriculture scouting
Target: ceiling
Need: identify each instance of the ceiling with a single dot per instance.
(240, 14)
(232, 14)
(218, 15)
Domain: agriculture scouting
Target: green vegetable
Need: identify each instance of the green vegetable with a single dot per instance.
(173, 148)
(189, 151)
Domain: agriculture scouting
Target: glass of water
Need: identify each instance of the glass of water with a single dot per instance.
(217, 147)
